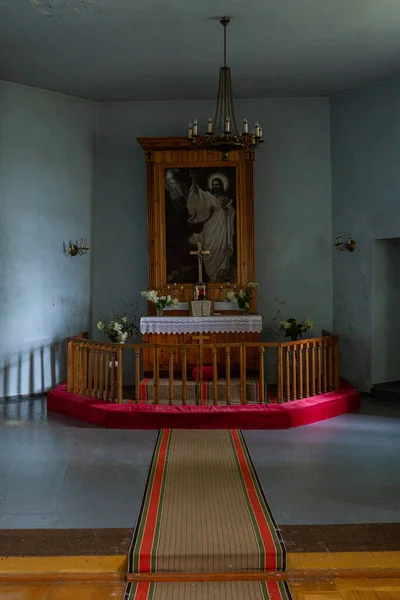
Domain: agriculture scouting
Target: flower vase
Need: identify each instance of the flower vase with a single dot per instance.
(159, 311)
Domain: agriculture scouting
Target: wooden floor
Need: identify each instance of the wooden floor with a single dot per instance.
(335, 589)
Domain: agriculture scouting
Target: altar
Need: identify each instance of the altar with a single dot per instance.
(166, 331)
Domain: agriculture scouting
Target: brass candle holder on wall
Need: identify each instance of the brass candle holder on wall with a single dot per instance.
(75, 249)
(350, 245)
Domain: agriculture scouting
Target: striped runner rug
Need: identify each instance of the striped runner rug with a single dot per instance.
(203, 509)
(213, 590)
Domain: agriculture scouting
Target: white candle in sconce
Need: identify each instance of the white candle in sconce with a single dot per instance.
(245, 126)
(190, 131)
(227, 124)
(210, 125)
(257, 128)
(260, 133)
(195, 127)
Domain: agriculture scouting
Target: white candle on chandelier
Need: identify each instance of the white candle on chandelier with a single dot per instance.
(257, 127)
(190, 131)
(260, 133)
(195, 127)
(210, 125)
(227, 124)
(245, 126)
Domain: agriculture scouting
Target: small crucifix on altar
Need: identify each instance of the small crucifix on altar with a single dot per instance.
(200, 287)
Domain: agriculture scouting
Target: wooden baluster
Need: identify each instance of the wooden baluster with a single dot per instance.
(300, 363)
(228, 374)
(184, 375)
(171, 375)
(70, 366)
(96, 371)
(198, 375)
(113, 368)
(137, 374)
(90, 371)
(85, 368)
(106, 393)
(215, 376)
(307, 351)
(80, 368)
(319, 369)
(120, 375)
(201, 359)
(101, 384)
(155, 399)
(261, 399)
(294, 372)
(75, 367)
(287, 373)
(330, 366)
(325, 367)
(336, 372)
(280, 375)
(313, 371)
(243, 383)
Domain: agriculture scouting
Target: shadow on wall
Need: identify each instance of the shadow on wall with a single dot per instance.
(34, 371)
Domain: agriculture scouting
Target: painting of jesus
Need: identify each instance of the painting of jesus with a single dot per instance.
(200, 207)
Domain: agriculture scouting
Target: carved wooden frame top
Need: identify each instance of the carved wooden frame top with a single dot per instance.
(162, 153)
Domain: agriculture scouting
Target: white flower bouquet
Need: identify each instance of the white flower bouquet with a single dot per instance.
(294, 329)
(242, 296)
(160, 301)
(119, 329)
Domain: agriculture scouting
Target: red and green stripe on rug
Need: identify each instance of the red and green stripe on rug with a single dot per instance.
(201, 590)
(204, 510)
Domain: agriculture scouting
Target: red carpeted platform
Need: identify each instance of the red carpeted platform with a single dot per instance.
(255, 416)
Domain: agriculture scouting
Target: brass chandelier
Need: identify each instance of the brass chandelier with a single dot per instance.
(222, 132)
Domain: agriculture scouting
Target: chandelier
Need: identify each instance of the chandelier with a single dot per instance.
(222, 132)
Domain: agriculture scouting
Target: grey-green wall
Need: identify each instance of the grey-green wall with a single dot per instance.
(47, 158)
(365, 148)
(292, 203)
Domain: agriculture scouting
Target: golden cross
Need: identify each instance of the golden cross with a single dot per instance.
(200, 254)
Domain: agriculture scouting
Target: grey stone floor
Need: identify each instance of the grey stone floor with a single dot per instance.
(59, 473)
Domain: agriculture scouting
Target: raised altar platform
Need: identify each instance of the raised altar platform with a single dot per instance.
(142, 415)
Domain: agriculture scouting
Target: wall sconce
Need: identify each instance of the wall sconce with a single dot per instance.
(350, 245)
(74, 249)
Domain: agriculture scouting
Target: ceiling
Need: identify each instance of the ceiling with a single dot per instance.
(157, 50)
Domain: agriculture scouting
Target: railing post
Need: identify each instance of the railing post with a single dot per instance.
(171, 376)
(243, 394)
(261, 399)
(307, 369)
(184, 375)
(280, 374)
(137, 374)
(300, 365)
(228, 374)
(120, 382)
(215, 376)
(70, 366)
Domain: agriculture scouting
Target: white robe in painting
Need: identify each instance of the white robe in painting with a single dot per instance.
(217, 233)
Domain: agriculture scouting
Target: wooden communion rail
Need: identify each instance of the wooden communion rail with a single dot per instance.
(304, 368)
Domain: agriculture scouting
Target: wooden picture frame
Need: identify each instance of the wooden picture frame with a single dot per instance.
(164, 154)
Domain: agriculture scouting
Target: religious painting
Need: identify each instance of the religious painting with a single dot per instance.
(200, 212)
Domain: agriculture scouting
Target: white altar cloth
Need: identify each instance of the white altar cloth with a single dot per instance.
(214, 324)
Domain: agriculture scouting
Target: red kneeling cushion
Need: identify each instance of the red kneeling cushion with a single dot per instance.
(207, 373)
